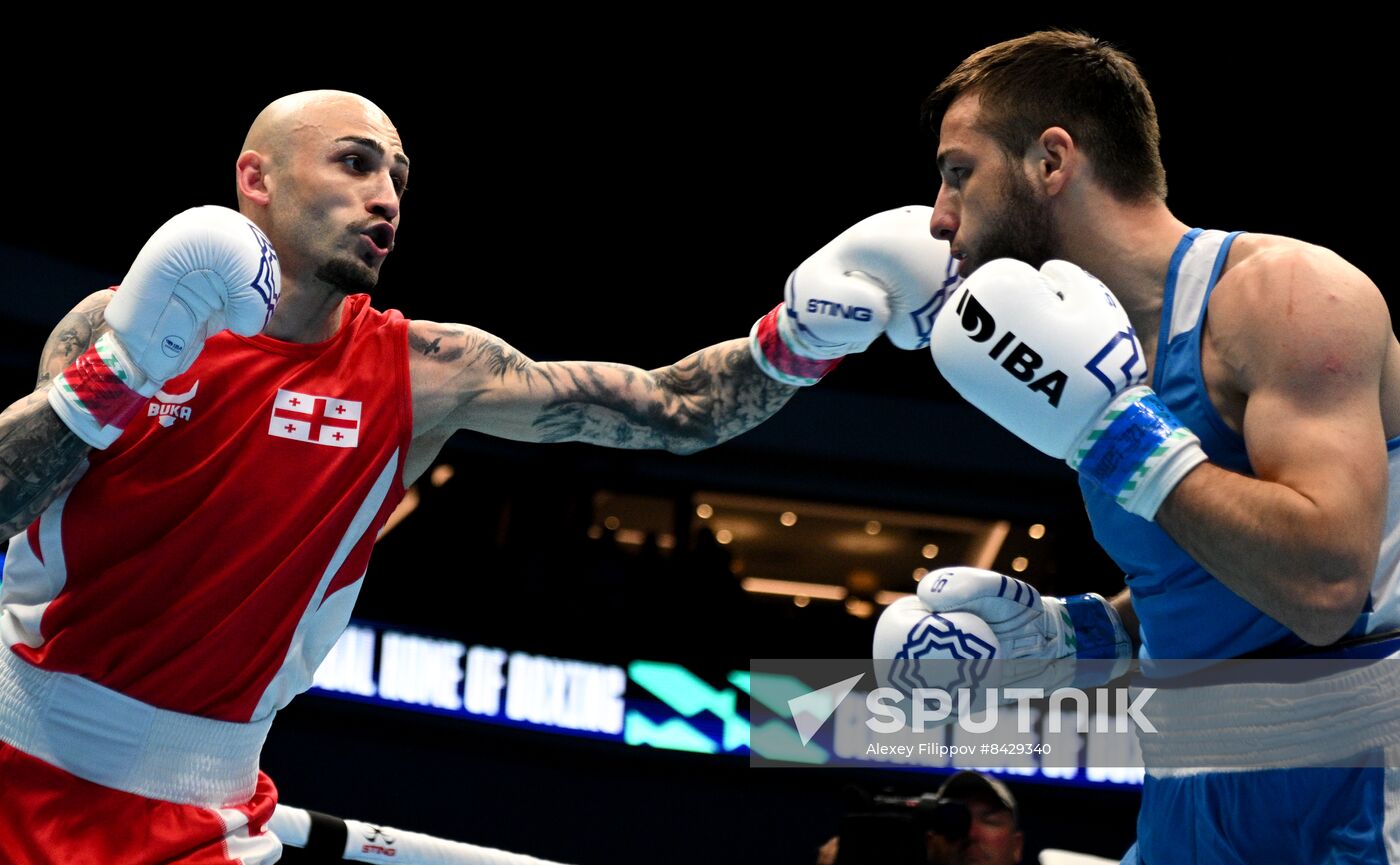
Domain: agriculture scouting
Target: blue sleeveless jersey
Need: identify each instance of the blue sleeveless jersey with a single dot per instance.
(1183, 610)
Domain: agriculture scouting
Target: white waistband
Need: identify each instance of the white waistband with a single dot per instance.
(111, 739)
(1242, 726)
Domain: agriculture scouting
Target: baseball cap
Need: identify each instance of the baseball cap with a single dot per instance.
(974, 785)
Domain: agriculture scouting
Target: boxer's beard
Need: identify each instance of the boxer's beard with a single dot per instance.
(347, 276)
(1022, 229)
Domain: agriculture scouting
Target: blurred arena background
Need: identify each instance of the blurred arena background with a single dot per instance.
(594, 185)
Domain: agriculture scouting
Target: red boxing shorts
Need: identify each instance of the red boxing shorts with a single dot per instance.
(49, 817)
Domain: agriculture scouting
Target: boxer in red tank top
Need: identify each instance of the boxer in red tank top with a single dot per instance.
(195, 486)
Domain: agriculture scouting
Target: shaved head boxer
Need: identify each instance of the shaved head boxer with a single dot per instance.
(158, 609)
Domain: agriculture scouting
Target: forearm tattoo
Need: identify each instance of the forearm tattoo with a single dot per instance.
(39, 456)
(709, 397)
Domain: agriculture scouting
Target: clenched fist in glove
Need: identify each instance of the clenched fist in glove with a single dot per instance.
(204, 270)
(1051, 356)
(883, 274)
(964, 613)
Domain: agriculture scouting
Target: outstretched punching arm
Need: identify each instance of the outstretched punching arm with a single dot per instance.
(885, 272)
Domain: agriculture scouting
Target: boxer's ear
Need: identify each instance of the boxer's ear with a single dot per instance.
(1056, 158)
(252, 177)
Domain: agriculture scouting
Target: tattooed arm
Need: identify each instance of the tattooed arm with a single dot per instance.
(465, 378)
(40, 456)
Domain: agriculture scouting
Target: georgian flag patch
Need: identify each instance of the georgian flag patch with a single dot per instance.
(322, 420)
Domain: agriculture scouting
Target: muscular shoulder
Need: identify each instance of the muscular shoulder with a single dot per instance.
(1275, 277)
(435, 348)
(74, 334)
(450, 364)
(1285, 307)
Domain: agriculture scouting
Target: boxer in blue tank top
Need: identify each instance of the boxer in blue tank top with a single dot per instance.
(1237, 459)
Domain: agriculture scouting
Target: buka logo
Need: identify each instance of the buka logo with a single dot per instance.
(167, 408)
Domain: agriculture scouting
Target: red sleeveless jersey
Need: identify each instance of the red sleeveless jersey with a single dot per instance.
(208, 560)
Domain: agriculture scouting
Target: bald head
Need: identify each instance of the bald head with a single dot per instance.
(277, 126)
(303, 121)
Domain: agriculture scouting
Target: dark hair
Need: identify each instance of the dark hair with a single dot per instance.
(1070, 80)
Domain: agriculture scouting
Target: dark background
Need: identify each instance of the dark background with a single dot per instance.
(631, 188)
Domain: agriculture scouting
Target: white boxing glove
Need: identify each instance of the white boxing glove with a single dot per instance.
(909, 629)
(1051, 356)
(206, 269)
(885, 271)
(1029, 625)
(976, 629)
(910, 638)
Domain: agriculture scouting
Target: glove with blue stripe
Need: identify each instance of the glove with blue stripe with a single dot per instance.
(1051, 356)
(1029, 625)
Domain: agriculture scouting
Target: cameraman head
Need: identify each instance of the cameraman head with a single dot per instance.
(993, 837)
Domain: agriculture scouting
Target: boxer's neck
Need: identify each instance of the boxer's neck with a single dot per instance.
(1129, 248)
(306, 314)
